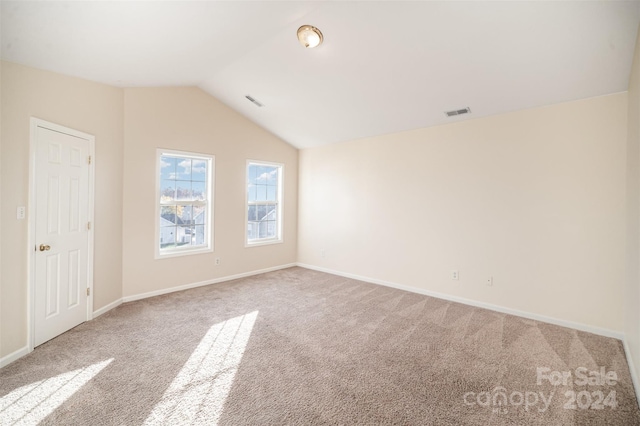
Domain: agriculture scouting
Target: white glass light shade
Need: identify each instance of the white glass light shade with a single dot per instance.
(309, 36)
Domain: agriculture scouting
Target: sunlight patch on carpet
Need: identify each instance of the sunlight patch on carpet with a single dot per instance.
(199, 391)
(30, 404)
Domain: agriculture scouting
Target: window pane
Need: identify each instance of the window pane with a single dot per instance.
(167, 215)
(184, 215)
(184, 169)
(260, 175)
(262, 230)
(199, 190)
(183, 190)
(199, 236)
(252, 192)
(253, 173)
(272, 212)
(190, 235)
(263, 196)
(199, 215)
(167, 191)
(271, 229)
(271, 175)
(272, 192)
(168, 167)
(183, 235)
(261, 192)
(184, 184)
(252, 230)
(167, 236)
(199, 170)
(252, 213)
(261, 212)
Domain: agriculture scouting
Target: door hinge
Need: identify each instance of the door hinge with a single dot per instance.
(89, 159)
(89, 225)
(88, 291)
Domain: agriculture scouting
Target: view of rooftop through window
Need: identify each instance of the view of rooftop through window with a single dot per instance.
(183, 201)
(263, 201)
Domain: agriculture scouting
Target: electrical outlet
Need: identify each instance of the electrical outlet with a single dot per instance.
(490, 281)
(454, 275)
(21, 212)
(217, 260)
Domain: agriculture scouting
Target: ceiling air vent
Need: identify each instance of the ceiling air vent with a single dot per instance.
(458, 112)
(254, 101)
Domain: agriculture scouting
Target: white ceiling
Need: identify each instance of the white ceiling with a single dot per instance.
(384, 67)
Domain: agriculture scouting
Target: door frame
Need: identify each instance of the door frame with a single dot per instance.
(31, 206)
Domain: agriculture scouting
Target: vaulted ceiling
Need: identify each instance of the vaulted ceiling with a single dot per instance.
(384, 67)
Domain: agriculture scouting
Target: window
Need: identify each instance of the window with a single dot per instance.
(184, 203)
(264, 203)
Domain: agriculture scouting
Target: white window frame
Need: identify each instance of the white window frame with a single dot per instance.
(208, 230)
(279, 238)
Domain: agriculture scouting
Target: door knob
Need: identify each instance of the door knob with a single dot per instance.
(44, 247)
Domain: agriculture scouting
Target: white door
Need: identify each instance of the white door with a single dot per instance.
(61, 177)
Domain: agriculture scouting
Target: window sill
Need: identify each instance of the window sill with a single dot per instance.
(263, 242)
(178, 253)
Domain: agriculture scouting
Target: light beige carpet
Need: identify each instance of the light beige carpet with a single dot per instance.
(303, 347)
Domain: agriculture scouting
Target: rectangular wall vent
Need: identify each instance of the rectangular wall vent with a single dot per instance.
(458, 112)
(254, 101)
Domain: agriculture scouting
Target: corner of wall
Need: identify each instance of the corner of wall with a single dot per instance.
(632, 294)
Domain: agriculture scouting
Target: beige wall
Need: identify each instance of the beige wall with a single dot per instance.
(82, 105)
(177, 118)
(1, 203)
(190, 120)
(632, 296)
(535, 199)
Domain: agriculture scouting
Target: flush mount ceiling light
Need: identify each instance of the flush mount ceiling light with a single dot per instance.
(309, 36)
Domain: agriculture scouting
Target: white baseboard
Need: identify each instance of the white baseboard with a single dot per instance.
(203, 283)
(632, 369)
(556, 321)
(24, 351)
(107, 308)
(6, 360)
(542, 318)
